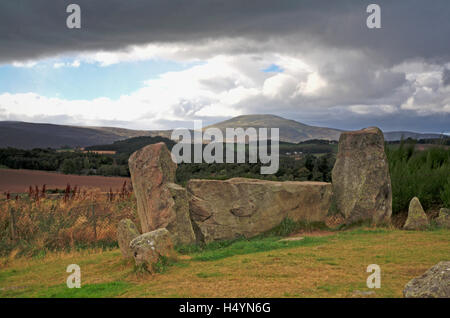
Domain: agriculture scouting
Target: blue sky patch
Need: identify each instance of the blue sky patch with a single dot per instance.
(273, 68)
(88, 81)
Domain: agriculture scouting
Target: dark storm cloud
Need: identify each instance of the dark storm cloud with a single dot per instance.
(446, 77)
(31, 29)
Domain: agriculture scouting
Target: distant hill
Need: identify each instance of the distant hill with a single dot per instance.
(397, 135)
(29, 135)
(128, 146)
(129, 133)
(290, 130)
(294, 132)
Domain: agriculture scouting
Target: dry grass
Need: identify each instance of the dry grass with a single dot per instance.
(38, 222)
(335, 267)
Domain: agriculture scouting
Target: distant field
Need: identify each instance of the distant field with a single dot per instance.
(18, 181)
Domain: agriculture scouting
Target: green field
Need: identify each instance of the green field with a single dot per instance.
(323, 264)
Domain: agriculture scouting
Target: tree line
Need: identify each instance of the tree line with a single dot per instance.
(68, 162)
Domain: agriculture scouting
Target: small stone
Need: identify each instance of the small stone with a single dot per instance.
(443, 220)
(126, 232)
(417, 219)
(149, 247)
(291, 239)
(363, 293)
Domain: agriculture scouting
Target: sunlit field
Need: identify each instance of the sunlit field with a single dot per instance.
(323, 264)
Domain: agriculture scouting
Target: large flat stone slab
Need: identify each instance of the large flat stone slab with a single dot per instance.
(236, 207)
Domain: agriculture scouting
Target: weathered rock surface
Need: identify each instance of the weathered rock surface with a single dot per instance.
(361, 180)
(181, 229)
(228, 209)
(149, 247)
(417, 219)
(159, 202)
(126, 232)
(435, 283)
(443, 220)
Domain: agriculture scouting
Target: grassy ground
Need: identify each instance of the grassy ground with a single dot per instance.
(330, 265)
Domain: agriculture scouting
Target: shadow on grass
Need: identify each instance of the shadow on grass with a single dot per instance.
(86, 291)
(261, 243)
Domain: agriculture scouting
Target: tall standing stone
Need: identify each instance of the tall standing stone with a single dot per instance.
(182, 230)
(152, 170)
(361, 180)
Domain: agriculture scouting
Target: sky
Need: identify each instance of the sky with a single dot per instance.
(162, 64)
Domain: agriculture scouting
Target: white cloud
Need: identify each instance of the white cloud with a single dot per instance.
(313, 85)
(27, 64)
(279, 86)
(58, 65)
(231, 84)
(75, 64)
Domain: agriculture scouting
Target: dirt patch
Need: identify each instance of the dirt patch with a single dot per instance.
(302, 234)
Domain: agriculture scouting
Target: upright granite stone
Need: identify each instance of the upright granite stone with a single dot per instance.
(443, 220)
(361, 180)
(149, 247)
(434, 283)
(126, 232)
(222, 210)
(181, 229)
(152, 170)
(417, 219)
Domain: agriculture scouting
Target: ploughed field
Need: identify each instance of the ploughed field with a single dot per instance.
(322, 264)
(18, 181)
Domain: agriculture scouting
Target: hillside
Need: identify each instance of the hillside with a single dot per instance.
(290, 130)
(295, 132)
(128, 146)
(129, 133)
(30, 135)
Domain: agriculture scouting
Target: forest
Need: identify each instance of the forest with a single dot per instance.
(415, 171)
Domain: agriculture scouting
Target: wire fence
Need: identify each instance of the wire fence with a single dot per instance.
(30, 226)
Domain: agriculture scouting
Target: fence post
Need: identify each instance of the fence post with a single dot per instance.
(94, 222)
(12, 224)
